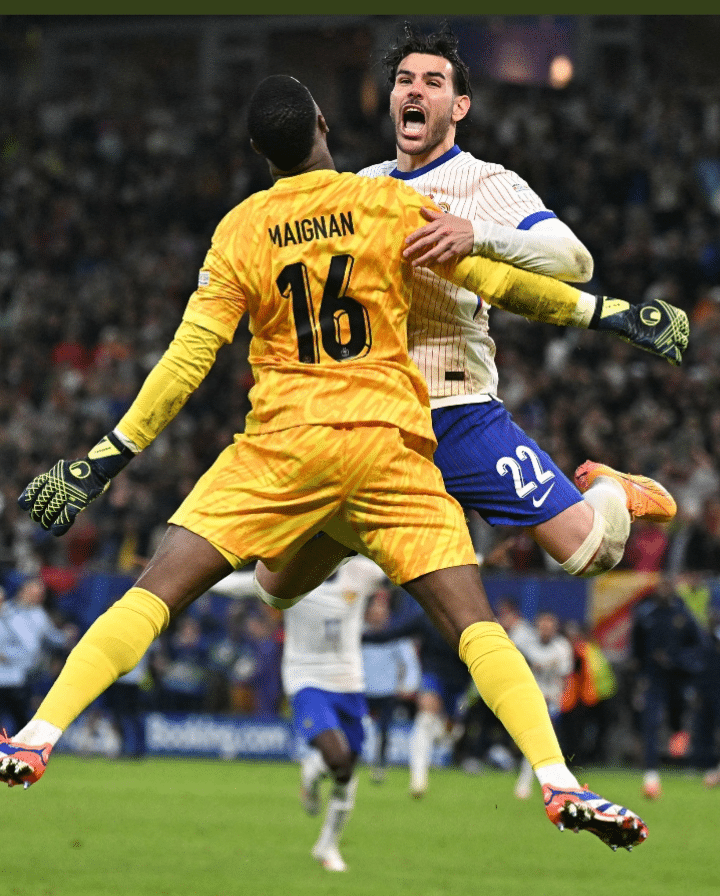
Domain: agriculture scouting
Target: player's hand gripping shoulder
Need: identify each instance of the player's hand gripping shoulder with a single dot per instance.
(55, 498)
(445, 237)
(657, 327)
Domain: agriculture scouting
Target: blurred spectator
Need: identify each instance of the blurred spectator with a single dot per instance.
(697, 545)
(125, 701)
(706, 733)
(26, 631)
(666, 654)
(519, 630)
(181, 666)
(550, 656)
(264, 630)
(392, 673)
(587, 706)
(646, 550)
(441, 695)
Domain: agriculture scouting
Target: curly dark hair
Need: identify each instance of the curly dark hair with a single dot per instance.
(281, 121)
(442, 43)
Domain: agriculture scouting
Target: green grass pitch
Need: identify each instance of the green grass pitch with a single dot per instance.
(165, 827)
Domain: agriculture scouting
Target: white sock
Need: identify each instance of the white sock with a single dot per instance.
(425, 731)
(37, 733)
(525, 778)
(339, 807)
(558, 775)
(312, 767)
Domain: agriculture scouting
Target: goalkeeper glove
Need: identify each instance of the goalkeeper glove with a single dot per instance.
(55, 498)
(657, 327)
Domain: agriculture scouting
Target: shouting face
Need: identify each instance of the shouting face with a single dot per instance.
(424, 109)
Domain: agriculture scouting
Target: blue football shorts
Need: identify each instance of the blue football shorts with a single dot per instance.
(315, 711)
(450, 691)
(490, 465)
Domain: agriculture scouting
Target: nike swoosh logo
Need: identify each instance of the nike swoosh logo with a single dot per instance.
(538, 502)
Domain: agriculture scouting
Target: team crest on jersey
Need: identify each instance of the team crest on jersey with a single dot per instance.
(520, 186)
(204, 278)
(445, 206)
(350, 596)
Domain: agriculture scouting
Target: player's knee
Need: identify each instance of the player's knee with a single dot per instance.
(431, 723)
(341, 765)
(277, 602)
(603, 547)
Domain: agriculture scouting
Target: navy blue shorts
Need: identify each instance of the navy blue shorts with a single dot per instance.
(490, 465)
(315, 711)
(450, 692)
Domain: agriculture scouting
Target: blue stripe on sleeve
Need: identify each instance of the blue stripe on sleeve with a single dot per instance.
(534, 218)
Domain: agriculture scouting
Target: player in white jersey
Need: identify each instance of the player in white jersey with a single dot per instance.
(550, 656)
(488, 463)
(322, 675)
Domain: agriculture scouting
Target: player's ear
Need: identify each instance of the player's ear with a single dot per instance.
(252, 143)
(461, 107)
(322, 124)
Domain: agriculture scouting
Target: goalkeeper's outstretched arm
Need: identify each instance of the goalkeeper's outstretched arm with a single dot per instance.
(55, 498)
(656, 326)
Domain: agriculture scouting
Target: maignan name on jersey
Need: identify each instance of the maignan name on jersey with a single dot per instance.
(320, 228)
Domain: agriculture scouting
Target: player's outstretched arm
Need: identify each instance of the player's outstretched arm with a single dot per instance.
(55, 498)
(656, 326)
(548, 247)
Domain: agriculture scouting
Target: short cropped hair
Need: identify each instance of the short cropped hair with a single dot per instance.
(442, 43)
(281, 121)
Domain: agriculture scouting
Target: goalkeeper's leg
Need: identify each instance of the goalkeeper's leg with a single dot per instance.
(455, 600)
(113, 645)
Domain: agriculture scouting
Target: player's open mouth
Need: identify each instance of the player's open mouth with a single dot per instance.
(412, 120)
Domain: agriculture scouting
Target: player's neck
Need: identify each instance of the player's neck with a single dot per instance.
(406, 162)
(318, 160)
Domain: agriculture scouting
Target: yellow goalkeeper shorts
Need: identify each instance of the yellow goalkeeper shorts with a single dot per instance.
(371, 487)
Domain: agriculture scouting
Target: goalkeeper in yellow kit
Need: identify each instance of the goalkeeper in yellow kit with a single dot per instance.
(339, 440)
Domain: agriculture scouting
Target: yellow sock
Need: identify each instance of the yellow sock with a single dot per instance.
(507, 685)
(111, 647)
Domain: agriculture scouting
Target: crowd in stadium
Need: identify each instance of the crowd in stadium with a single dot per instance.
(105, 217)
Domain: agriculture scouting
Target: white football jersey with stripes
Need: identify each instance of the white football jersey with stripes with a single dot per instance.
(448, 325)
(323, 631)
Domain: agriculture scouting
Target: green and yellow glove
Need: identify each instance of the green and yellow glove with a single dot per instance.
(55, 498)
(656, 326)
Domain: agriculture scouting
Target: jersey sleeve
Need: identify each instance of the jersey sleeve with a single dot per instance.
(182, 368)
(534, 296)
(218, 303)
(504, 197)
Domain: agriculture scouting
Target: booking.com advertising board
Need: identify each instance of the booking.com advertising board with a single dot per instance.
(196, 736)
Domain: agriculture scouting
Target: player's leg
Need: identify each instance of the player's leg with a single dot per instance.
(340, 746)
(651, 718)
(385, 715)
(417, 533)
(428, 727)
(490, 465)
(507, 685)
(524, 782)
(113, 645)
(231, 505)
(307, 570)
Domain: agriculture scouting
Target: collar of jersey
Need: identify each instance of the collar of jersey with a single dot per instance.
(409, 175)
(308, 179)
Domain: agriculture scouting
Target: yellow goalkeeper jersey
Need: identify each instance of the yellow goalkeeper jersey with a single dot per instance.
(316, 261)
